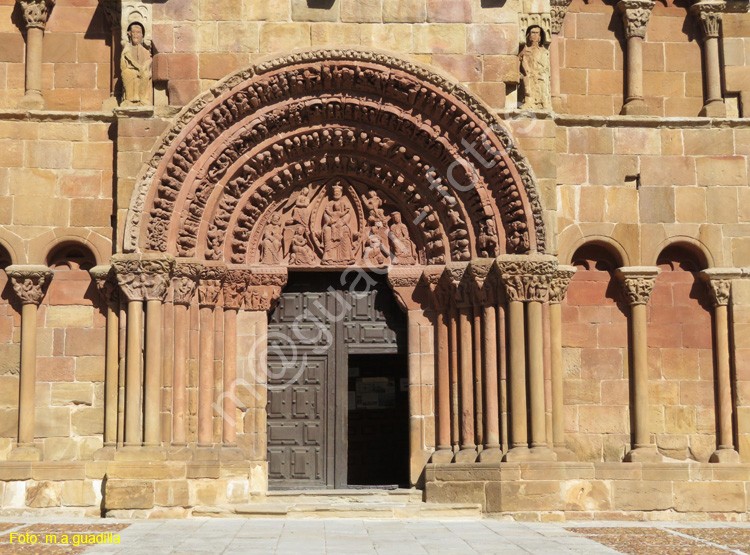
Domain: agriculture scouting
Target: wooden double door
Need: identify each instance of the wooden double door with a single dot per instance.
(337, 384)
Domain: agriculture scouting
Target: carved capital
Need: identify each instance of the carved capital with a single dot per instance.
(558, 285)
(638, 283)
(234, 286)
(481, 274)
(719, 283)
(143, 276)
(457, 283)
(709, 15)
(431, 279)
(36, 12)
(186, 274)
(526, 278)
(210, 284)
(264, 286)
(106, 285)
(635, 16)
(558, 10)
(404, 282)
(29, 283)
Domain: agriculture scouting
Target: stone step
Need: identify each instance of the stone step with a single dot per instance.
(344, 509)
(345, 495)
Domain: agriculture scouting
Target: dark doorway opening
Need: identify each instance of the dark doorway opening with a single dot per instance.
(378, 409)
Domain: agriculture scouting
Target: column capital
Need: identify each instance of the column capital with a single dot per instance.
(635, 16)
(106, 285)
(143, 276)
(638, 282)
(29, 283)
(404, 281)
(560, 282)
(36, 12)
(482, 272)
(709, 15)
(526, 277)
(210, 283)
(558, 10)
(456, 281)
(264, 286)
(431, 279)
(235, 282)
(719, 283)
(187, 271)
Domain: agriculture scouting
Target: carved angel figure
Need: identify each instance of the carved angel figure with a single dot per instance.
(535, 71)
(135, 66)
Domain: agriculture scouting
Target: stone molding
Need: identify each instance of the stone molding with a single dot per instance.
(36, 12)
(187, 271)
(106, 285)
(558, 11)
(558, 286)
(526, 278)
(29, 283)
(143, 276)
(638, 283)
(635, 16)
(210, 284)
(264, 287)
(719, 283)
(233, 288)
(709, 14)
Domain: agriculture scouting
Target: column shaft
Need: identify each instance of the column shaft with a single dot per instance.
(443, 383)
(536, 374)
(519, 430)
(713, 76)
(133, 373)
(152, 374)
(640, 374)
(635, 68)
(478, 370)
(454, 378)
(179, 379)
(229, 403)
(33, 99)
(111, 375)
(554, 61)
(206, 377)
(468, 445)
(28, 375)
(555, 324)
(723, 379)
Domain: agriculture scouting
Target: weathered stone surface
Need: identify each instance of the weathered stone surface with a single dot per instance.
(708, 496)
(630, 495)
(81, 493)
(128, 494)
(588, 495)
(42, 495)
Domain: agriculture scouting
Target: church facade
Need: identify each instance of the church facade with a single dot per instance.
(496, 251)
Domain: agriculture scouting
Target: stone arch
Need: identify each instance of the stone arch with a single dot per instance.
(13, 246)
(609, 244)
(693, 246)
(40, 247)
(246, 150)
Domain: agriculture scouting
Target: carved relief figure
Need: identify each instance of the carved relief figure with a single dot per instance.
(401, 246)
(338, 247)
(535, 71)
(301, 251)
(270, 247)
(135, 65)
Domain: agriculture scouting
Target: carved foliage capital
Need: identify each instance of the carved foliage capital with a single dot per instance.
(29, 283)
(481, 273)
(638, 283)
(719, 283)
(558, 285)
(143, 276)
(106, 285)
(526, 278)
(210, 285)
(709, 15)
(558, 10)
(635, 16)
(185, 282)
(36, 12)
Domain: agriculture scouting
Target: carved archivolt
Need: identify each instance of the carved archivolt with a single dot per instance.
(243, 166)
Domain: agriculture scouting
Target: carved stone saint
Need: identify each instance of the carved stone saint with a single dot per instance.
(338, 243)
(270, 246)
(135, 65)
(535, 71)
(302, 253)
(401, 246)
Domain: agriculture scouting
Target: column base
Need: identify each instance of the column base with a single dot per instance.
(32, 101)
(442, 455)
(644, 454)
(132, 453)
(564, 454)
(522, 454)
(106, 453)
(543, 454)
(206, 453)
(180, 453)
(466, 454)
(491, 454)
(725, 455)
(714, 109)
(231, 453)
(25, 453)
(634, 107)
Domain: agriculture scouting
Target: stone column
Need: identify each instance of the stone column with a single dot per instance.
(234, 290)
(35, 14)
(719, 283)
(638, 284)
(441, 299)
(185, 284)
(106, 284)
(558, 288)
(209, 290)
(709, 15)
(635, 16)
(558, 9)
(29, 284)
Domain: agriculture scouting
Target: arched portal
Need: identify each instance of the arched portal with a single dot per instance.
(271, 146)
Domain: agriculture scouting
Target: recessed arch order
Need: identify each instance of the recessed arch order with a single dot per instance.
(323, 148)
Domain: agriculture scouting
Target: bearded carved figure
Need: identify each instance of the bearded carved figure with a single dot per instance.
(338, 245)
(135, 66)
(535, 71)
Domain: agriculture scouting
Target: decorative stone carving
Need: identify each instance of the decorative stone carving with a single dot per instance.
(719, 283)
(535, 71)
(635, 16)
(210, 284)
(404, 282)
(457, 281)
(291, 95)
(135, 69)
(29, 283)
(271, 246)
(638, 283)
(36, 12)
(480, 271)
(560, 282)
(709, 14)
(541, 20)
(106, 285)
(526, 278)
(263, 288)
(338, 236)
(558, 10)
(186, 275)
(235, 282)
(402, 248)
(143, 276)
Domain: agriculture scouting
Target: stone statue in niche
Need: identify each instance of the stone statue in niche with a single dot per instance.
(270, 246)
(535, 71)
(135, 67)
(401, 246)
(301, 251)
(338, 241)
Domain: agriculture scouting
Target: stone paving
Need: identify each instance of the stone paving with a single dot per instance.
(377, 537)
